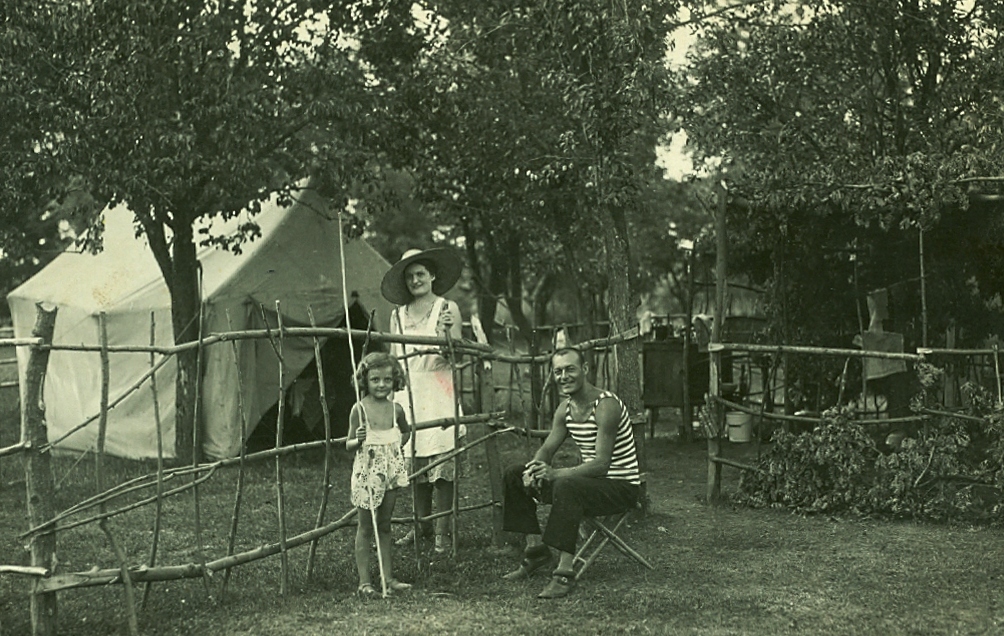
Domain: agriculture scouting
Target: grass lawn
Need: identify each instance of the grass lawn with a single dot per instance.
(718, 570)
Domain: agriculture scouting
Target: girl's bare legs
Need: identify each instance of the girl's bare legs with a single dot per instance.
(364, 539)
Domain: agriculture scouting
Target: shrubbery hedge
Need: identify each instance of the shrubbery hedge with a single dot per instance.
(946, 468)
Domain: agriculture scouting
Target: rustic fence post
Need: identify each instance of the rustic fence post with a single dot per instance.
(714, 431)
(714, 349)
(485, 379)
(38, 472)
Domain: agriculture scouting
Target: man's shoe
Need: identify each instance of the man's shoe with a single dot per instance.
(532, 561)
(560, 585)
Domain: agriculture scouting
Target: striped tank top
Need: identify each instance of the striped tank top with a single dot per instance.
(624, 459)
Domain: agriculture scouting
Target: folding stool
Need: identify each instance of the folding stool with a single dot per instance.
(603, 533)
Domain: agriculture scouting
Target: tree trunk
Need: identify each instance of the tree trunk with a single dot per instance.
(488, 300)
(587, 310)
(542, 293)
(185, 302)
(514, 298)
(621, 308)
(485, 301)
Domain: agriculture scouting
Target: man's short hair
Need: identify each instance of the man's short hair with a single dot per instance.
(566, 350)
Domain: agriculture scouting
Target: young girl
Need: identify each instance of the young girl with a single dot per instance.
(377, 430)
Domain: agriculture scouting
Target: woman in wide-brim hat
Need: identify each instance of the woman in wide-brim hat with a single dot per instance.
(416, 284)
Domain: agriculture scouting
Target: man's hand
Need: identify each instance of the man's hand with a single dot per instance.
(539, 471)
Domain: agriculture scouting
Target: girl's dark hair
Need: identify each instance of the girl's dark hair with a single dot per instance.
(378, 360)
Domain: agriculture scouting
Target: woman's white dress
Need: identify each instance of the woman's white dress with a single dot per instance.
(431, 377)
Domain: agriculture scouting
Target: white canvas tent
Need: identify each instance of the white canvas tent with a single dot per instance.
(295, 261)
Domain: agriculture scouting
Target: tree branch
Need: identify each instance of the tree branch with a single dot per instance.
(705, 16)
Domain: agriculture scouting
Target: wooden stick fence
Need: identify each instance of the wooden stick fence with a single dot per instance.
(105, 504)
(45, 522)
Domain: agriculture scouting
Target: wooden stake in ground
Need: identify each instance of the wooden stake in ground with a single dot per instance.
(99, 456)
(38, 472)
(242, 414)
(160, 459)
(197, 435)
(326, 478)
(279, 482)
(997, 372)
(411, 411)
(492, 456)
(714, 491)
(455, 504)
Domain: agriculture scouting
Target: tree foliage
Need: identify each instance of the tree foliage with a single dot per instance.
(847, 125)
(530, 128)
(185, 111)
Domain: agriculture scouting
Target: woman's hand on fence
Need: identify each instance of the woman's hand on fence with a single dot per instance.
(446, 319)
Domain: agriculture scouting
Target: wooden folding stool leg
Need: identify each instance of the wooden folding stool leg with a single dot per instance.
(584, 555)
(621, 544)
(604, 535)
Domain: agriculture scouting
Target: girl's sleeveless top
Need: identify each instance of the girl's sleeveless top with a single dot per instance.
(624, 459)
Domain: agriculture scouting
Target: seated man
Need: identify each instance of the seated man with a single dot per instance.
(606, 482)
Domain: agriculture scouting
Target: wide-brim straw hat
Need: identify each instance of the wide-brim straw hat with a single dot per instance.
(448, 269)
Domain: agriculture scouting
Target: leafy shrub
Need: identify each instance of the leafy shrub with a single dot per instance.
(826, 469)
(928, 476)
(949, 467)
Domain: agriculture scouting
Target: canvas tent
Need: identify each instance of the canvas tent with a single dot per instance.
(295, 261)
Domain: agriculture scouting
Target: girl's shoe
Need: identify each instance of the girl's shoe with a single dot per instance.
(367, 591)
(397, 586)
